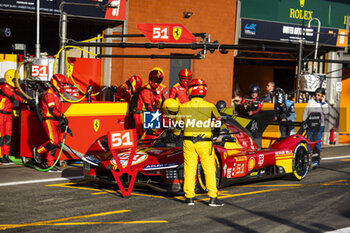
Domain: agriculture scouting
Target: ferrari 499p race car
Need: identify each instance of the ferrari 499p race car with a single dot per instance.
(238, 154)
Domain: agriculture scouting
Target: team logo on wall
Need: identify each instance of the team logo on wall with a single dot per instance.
(177, 31)
(96, 125)
(302, 2)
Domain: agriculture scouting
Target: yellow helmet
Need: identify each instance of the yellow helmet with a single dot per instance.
(171, 107)
(158, 68)
(10, 77)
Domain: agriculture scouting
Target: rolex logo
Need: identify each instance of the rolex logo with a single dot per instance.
(302, 2)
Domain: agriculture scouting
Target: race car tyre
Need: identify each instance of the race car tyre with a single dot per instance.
(301, 161)
(200, 184)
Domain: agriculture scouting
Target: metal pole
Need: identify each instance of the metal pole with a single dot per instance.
(317, 36)
(37, 45)
(63, 37)
(299, 68)
(347, 31)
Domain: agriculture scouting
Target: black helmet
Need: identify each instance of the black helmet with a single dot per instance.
(278, 91)
(255, 89)
(320, 90)
(220, 105)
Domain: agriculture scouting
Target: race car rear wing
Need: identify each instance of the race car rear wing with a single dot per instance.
(308, 128)
(257, 124)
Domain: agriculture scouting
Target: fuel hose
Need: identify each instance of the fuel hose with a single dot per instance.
(58, 157)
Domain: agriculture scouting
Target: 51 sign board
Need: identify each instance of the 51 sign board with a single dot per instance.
(122, 139)
(40, 71)
(171, 33)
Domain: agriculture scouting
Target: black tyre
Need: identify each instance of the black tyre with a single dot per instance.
(301, 161)
(200, 185)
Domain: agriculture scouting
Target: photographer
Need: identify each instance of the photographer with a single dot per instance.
(285, 112)
(251, 104)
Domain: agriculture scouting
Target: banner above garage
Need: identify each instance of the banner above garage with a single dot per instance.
(291, 33)
(52, 8)
(331, 13)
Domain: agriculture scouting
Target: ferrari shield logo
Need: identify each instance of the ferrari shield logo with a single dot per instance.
(96, 125)
(177, 32)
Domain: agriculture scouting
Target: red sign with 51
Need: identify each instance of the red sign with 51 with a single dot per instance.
(172, 33)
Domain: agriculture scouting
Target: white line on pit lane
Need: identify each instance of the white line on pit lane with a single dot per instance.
(343, 230)
(338, 157)
(40, 181)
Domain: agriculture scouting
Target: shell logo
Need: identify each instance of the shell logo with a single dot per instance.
(251, 164)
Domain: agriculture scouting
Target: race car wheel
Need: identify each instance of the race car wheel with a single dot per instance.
(301, 161)
(200, 185)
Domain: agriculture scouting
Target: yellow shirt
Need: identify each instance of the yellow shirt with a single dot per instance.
(197, 117)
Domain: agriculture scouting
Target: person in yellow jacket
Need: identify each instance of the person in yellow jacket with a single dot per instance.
(197, 117)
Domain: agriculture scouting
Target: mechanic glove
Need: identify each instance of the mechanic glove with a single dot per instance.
(113, 89)
(216, 132)
(62, 120)
(175, 138)
(70, 132)
(31, 103)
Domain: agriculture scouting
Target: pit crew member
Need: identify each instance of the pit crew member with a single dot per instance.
(8, 94)
(128, 88)
(179, 90)
(151, 98)
(53, 118)
(198, 141)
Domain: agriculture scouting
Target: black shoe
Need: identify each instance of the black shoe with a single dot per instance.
(36, 156)
(214, 202)
(5, 160)
(189, 201)
(54, 169)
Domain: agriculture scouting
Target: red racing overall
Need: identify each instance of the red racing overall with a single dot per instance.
(128, 88)
(7, 97)
(51, 107)
(149, 100)
(179, 93)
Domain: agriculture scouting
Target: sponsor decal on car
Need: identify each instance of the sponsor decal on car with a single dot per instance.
(261, 159)
(283, 152)
(155, 151)
(229, 172)
(160, 166)
(139, 157)
(251, 163)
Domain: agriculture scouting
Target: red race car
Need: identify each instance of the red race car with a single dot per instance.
(239, 157)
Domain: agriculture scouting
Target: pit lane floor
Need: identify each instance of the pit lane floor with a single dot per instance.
(47, 202)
